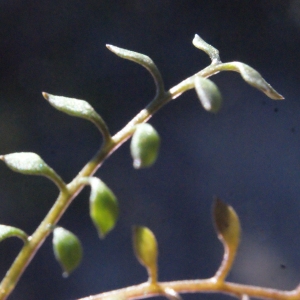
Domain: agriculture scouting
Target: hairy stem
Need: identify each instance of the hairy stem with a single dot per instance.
(147, 290)
(75, 186)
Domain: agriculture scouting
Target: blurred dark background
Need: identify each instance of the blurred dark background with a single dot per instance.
(248, 154)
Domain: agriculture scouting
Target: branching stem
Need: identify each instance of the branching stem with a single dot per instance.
(146, 290)
(75, 186)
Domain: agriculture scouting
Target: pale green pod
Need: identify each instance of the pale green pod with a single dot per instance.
(144, 146)
(71, 106)
(67, 250)
(104, 209)
(30, 163)
(27, 163)
(78, 108)
(252, 77)
(144, 61)
(146, 250)
(208, 94)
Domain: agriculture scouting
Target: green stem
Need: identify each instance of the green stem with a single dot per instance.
(101, 125)
(58, 181)
(74, 187)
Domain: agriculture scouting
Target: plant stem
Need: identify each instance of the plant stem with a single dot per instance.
(147, 290)
(225, 267)
(74, 187)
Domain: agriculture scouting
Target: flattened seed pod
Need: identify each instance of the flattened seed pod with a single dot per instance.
(144, 146)
(146, 250)
(208, 94)
(67, 250)
(104, 209)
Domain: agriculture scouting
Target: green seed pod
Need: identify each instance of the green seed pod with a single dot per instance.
(31, 164)
(146, 249)
(67, 250)
(26, 163)
(208, 94)
(78, 108)
(104, 208)
(71, 106)
(252, 77)
(144, 146)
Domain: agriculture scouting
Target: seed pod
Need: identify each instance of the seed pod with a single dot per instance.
(208, 94)
(104, 208)
(144, 61)
(78, 108)
(26, 163)
(227, 224)
(31, 164)
(144, 146)
(146, 250)
(228, 228)
(252, 77)
(67, 250)
(71, 106)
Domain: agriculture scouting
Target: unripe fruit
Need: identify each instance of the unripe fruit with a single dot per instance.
(30, 163)
(104, 209)
(144, 146)
(208, 94)
(146, 250)
(71, 106)
(253, 78)
(227, 223)
(145, 246)
(67, 249)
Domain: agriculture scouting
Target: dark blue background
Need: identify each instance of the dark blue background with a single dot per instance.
(248, 154)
